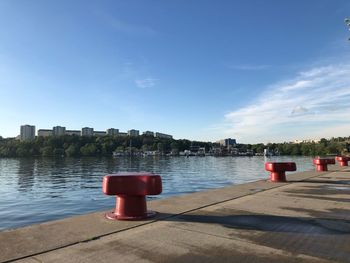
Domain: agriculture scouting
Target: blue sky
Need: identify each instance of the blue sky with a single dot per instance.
(257, 71)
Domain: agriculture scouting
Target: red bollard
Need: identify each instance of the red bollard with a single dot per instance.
(321, 164)
(278, 170)
(343, 160)
(131, 190)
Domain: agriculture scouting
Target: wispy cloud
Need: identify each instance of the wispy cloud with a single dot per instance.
(314, 104)
(146, 83)
(299, 110)
(249, 67)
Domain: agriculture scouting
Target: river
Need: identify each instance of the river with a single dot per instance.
(39, 190)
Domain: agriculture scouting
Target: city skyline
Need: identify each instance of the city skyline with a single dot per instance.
(255, 71)
(90, 131)
(28, 132)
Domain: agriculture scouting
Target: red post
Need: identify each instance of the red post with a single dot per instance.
(278, 170)
(343, 160)
(131, 190)
(321, 164)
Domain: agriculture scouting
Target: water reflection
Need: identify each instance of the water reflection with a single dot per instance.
(48, 189)
(25, 174)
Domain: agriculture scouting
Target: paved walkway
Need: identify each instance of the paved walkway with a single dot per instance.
(304, 220)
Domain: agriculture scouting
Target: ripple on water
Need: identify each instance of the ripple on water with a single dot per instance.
(43, 189)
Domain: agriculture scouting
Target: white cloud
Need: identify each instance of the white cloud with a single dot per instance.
(146, 83)
(316, 100)
(298, 85)
(299, 110)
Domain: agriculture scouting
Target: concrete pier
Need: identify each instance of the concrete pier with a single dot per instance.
(306, 219)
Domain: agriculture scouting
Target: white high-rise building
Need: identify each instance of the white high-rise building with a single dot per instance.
(133, 132)
(58, 131)
(148, 133)
(27, 132)
(112, 131)
(86, 131)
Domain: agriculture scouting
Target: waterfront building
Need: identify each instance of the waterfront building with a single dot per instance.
(112, 132)
(58, 131)
(73, 132)
(306, 141)
(100, 133)
(163, 135)
(227, 142)
(44, 132)
(27, 132)
(148, 133)
(133, 132)
(87, 131)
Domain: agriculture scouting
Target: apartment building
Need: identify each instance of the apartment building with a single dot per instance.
(87, 131)
(148, 133)
(163, 135)
(112, 132)
(73, 132)
(100, 133)
(133, 132)
(27, 132)
(44, 132)
(227, 142)
(58, 131)
(122, 134)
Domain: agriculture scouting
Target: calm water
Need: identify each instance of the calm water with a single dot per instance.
(38, 190)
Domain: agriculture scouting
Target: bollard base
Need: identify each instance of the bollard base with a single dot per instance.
(278, 177)
(130, 207)
(321, 168)
(113, 216)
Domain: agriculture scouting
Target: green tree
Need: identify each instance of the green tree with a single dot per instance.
(146, 147)
(72, 150)
(88, 149)
(174, 146)
(160, 147)
(58, 152)
(120, 148)
(46, 151)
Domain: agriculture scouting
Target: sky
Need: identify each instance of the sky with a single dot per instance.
(256, 71)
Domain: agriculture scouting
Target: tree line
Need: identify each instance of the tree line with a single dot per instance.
(70, 145)
(333, 146)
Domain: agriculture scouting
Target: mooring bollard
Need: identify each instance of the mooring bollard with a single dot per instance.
(131, 190)
(343, 160)
(321, 164)
(278, 170)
